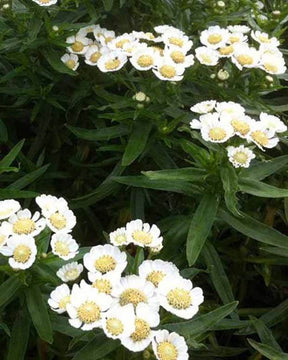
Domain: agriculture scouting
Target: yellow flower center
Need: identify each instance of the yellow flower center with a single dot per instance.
(72, 274)
(179, 298)
(24, 226)
(112, 64)
(240, 126)
(120, 239)
(155, 277)
(260, 137)
(61, 248)
(158, 49)
(167, 351)
(108, 39)
(150, 35)
(226, 50)
(64, 301)
(142, 237)
(234, 38)
(270, 67)
(77, 46)
(121, 43)
(178, 57)
(217, 134)
(264, 39)
(245, 59)
(103, 286)
(167, 71)
(145, 61)
(45, 1)
(214, 38)
(22, 253)
(2, 239)
(240, 157)
(70, 64)
(176, 41)
(206, 58)
(89, 312)
(142, 330)
(95, 56)
(114, 326)
(105, 263)
(58, 221)
(132, 296)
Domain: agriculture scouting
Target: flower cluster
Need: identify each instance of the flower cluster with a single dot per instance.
(232, 42)
(165, 53)
(220, 121)
(20, 227)
(126, 307)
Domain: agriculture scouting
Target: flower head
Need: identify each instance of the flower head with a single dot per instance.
(64, 246)
(8, 208)
(119, 322)
(169, 346)
(70, 271)
(142, 234)
(59, 298)
(240, 156)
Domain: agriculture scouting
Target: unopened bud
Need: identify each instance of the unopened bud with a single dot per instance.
(223, 75)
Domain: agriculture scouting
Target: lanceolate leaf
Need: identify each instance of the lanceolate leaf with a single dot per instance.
(11, 156)
(268, 351)
(261, 189)
(265, 334)
(184, 174)
(19, 337)
(230, 185)
(8, 289)
(105, 133)
(28, 178)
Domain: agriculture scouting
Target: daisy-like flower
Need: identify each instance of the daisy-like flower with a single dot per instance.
(263, 38)
(45, 2)
(240, 156)
(155, 271)
(94, 53)
(207, 56)
(239, 29)
(70, 272)
(64, 246)
(23, 223)
(241, 124)
(272, 123)
(83, 32)
(119, 42)
(203, 107)
(169, 346)
(245, 56)
(215, 130)
(226, 51)
(161, 29)
(268, 49)
(119, 322)
(112, 61)
(144, 59)
(261, 136)
(104, 36)
(133, 289)
(214, 37)
(4, 234)
(204, 120)
(236, 38)
(179, 56)
(145, 319)
(178, 296)
(142, 234)
(21, 250)
(8, 208)
(49, 204)
(273, 64)
(104, 283)
(229, 109)
(86, 306)
(59, 298)
(141, 35)
(177, 39)
(77, 44)
(71, 61)
(105, 259)
(119, 237)
(168, 70)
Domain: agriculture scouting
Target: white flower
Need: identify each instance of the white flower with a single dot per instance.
(179, 56)
(167, 70)
(261, 136)
(105, 259)
(4, 234)
(178, 296)
(204, 120)
(133, 289)
(214, 37)
(94, 53)
(144, 59)
(50, 204)
(161, 29)
(245, 56)
(59, 298)
(268, 49)
(240, 156)
(63, 245)
(78, 44)
(155, 271)
(104, 283)
(236, 38)
(230, 109)
(226, 51)
(45, 2)
(203, 107)
(70, 271)
(141, 35)
(169, 346)
(223, 74)
(207, 56)
(142, 336)
(104, 36)
(272, 123)
(118, 237)
(215, 130)
(273, 64)
(142, 234)
(86, 306)
(87, 30)
(119, 322)
(112, 61)
(241, 124)
(239, 28)
(21, 250)
(119, 42)
(23, 223)
(263, 38)
(8, 208)
(177, 39)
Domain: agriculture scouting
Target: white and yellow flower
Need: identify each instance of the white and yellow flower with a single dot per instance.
(203, 107)
(71, 61)
(83, 32)
(94, 53)
(261, 136)
(272, 123)
(49, 204)
(119, 42)
(4, 234)
(242, 124)
(179, 56)
(141, 35)
(229, 109)
(59, 298)
(112, 61)
(119, 237)
(45, 2)
(142, 234)
(207, 56)
(156, 271)
(245, 56)
(104, 283)
(23, 223)
(64, 246)
(237, 38)
(104, 36)
(8, 208)
(239, 28)
(263, 38)
(169, 346)
(167, 70)
(204, 120)
(144, 59)
(105, 259)
(215, 130)
(226, 51)
(273, 64)
(240, 156)
(70, 272)
(21, 250)
(77, 44)
(177, 39)
(119, 322)
(178, 296)
(161, 29)
(214, 37)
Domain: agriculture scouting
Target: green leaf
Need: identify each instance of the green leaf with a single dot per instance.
(19, 337)
(261, 189)
(13, 194)
(28, 178)
(265, 333)
(3, 132)
(184, 174)
(108, 4)
(39, 314)
(202, 323)
(8, 289)
(230, 185)
(61, 325)
(106, 133)
(200, 227)
(255, 229)
(54, 59)
(137, 141)
(268, 351)
(11, 156)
